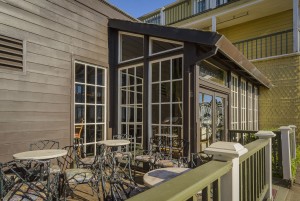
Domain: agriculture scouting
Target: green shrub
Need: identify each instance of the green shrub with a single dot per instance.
(295, 163)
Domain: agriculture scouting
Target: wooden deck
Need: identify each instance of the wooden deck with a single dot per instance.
(84, 193)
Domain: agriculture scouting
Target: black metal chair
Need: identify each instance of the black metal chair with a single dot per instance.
(150, 156)
(44, 144)
(116, 184)
(199, 158)
(27, 180)
(74, 176)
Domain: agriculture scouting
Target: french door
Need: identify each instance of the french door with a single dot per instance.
(212, 117)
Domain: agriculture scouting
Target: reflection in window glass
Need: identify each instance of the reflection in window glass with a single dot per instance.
(166, 92)
(131, 47)
(212, 73)
(131, 103)
(162, 46)
(89, 92)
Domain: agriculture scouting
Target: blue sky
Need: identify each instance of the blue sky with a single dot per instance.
(137, 8)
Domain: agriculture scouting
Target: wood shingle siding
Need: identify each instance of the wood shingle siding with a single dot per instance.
(38, 104)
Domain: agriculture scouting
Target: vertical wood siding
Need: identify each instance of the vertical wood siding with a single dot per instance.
(37, 105)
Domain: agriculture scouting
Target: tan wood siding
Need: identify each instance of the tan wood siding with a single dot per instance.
(37, 105)
(260, 27)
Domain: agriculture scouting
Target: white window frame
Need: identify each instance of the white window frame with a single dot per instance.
(255, 121)
(120, 105)
(234, 102)
(96, 104)
(163, 40)
(159, 102)
(120, 46)
(243, 104)
(250, 106)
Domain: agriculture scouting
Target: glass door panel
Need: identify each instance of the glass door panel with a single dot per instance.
(220, 118)
(205, 114)
(212, 116)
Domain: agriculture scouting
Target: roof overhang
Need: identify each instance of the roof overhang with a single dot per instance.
(200, 38)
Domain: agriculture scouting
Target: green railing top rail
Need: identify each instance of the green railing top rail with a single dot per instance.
(254, 147)
(186, 185)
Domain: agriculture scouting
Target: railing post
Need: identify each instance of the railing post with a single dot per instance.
(294, 144)
(286, 153)
(162, 16)
(268, 157)
(228, 151)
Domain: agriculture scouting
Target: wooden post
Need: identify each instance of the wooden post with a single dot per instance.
(226, 151)
(268, 156)
(286, 152)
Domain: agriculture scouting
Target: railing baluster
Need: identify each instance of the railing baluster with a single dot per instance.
(205, 194)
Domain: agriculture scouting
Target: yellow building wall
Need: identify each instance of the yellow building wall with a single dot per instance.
(259, 27)
(280, 105)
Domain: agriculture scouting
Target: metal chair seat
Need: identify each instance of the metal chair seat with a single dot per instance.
(78, 176)
(165, 163)
(24, 192)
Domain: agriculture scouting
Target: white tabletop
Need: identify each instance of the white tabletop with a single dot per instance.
(44, 154)
(114, 143)
(158, 176)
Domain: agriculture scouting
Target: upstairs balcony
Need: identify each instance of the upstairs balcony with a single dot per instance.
(220, 15)
(182, 10)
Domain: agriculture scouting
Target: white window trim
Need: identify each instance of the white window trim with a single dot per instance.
(120, 46)
(159, 103)
(162, 40)
(85, 104)
(234, 102)
(120, 95)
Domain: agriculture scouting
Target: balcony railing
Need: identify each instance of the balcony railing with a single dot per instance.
(209, 181)
(266, 46)
(184, 10)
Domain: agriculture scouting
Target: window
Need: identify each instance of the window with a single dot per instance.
(243, 105)
(11, 53)
(212, 73)
(155, 19)
(250, 106)
(131, 103)
(90, 104)
(166, 96)
(255, 108)
(160, 45)
(234, 102)
(131, 47)
(200, 5)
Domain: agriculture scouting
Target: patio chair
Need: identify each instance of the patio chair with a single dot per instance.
(150, 156)
(172, 155)
(74, 176)
(44, 144)
(199, 158)
(115, 185)
(27, 180)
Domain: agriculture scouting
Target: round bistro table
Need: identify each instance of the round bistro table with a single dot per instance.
(114, 143)
(158, 176)
(44, 154)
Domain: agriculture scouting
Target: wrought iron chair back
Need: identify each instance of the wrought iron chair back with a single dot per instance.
(44, 144)
(26, 180)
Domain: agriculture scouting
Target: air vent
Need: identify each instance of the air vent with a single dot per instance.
(11, 53)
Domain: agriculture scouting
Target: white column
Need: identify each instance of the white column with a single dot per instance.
(226, 151)
(213, 4)
(162, 16)
(296, 25)
(213, 23)
(294, 144)
(268, 157)
(286, 153)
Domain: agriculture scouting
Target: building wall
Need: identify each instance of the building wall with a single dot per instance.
(37, 105)
(259, 27)
(280, 105)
